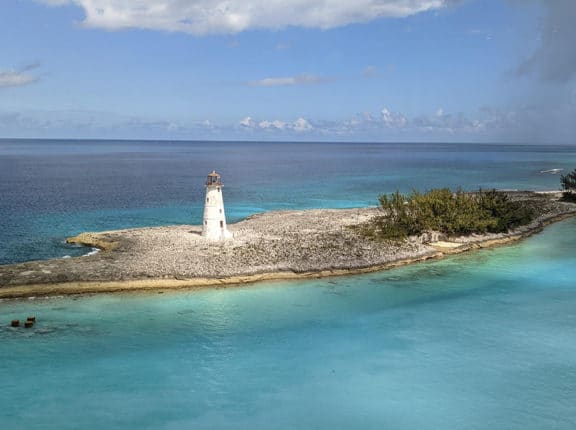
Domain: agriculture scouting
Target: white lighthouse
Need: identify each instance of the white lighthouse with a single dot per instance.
(214, 222)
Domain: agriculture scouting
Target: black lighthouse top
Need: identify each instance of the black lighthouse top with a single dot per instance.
(214, 179)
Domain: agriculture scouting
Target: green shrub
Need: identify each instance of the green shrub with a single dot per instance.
(568, 183)
(451, 213)
(568, 197)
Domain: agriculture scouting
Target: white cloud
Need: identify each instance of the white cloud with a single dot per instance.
(479, 126)
(16, 78)
(393, 119)
(288, 81)
(486, 125)
(276, 124)
(100, 124)
(302, 124)
(247, 122)
(233, 16)
(389, 123)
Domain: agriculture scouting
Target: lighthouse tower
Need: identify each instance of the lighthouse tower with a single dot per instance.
(214, 222)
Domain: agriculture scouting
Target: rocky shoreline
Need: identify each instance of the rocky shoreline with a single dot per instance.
(272, 245)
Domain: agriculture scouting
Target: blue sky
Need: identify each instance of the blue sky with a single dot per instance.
(383, 70)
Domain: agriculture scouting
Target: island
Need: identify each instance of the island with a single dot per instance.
(272, 245)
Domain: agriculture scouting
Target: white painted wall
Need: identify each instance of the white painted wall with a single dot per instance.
(214, 221)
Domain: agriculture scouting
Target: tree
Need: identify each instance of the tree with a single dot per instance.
(568, 182)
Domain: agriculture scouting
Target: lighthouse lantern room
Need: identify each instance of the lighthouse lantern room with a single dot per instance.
(214, 221)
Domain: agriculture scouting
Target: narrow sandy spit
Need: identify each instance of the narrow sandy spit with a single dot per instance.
(271, 246)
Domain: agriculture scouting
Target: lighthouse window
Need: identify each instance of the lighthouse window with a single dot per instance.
(218, 189)
(207, 199)
(220, 210)
(221, 224)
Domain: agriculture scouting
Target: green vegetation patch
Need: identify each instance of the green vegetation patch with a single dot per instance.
(568, 183)
(451, 213)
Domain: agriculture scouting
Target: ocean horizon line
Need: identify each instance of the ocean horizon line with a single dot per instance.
(296, 141)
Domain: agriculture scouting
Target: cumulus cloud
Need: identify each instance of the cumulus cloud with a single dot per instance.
(302, 124)
(18, 77)
(233, 16)
(276, 124)
(393, 119)
(486, 125)
(555, 57)
(389, 124)
(299, 125)
(288, 81)
(247, 122)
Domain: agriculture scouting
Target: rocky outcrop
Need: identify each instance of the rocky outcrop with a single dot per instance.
(273, 245)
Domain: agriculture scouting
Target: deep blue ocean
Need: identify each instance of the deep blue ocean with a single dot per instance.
(483, 340)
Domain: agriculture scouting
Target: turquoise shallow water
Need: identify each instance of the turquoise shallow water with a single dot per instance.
(478, 341)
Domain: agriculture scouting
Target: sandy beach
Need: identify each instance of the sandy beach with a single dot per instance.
(272, 245)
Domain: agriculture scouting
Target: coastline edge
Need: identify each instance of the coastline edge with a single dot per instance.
(163, 284)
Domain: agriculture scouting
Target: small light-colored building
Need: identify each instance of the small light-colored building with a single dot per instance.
(214, 221)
